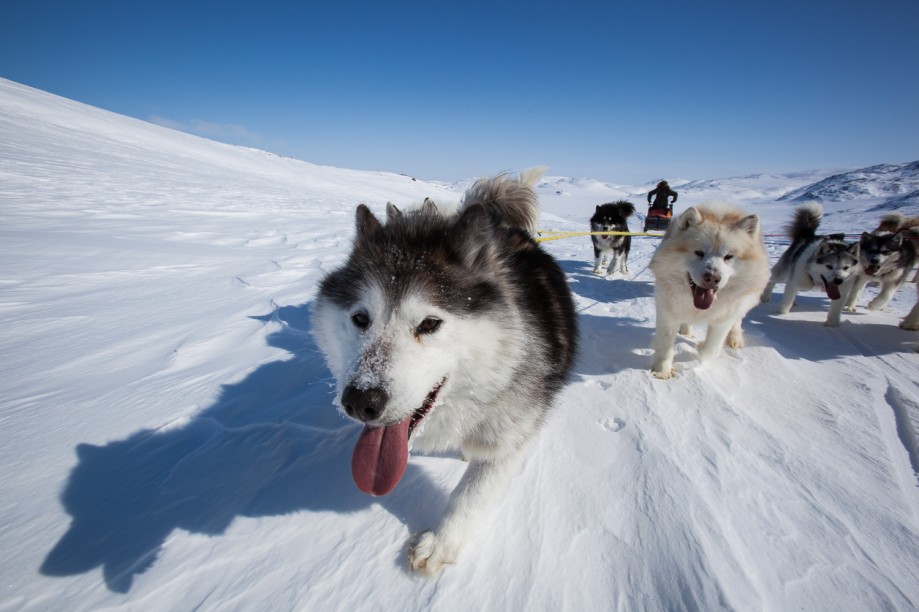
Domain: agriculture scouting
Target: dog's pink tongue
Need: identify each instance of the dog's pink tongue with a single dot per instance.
(380, 457)
(702, 298)
(832, 291)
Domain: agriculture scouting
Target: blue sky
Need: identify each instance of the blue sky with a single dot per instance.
(622, 92)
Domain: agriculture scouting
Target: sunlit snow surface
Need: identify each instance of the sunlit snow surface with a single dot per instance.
(169, 440)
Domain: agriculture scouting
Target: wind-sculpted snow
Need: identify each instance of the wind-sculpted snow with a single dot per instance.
(169, 439)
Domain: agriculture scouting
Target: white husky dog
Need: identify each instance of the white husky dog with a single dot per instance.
(710, 267)
(455, 330)
(825, 263)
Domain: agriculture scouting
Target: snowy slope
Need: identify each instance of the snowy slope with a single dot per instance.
(896, 184)
(169, 441)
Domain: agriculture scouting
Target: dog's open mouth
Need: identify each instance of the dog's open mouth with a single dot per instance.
(381, 453)
(701, 298)
(832, 289)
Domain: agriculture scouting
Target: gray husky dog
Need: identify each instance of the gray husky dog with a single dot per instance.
(886, 258)
(452, 331)
(826, 263)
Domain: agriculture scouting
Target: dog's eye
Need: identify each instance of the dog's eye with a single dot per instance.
(428, 326)
(728, 257)
(700, 253)
(844, 268)
(360, 319)
(829, 267)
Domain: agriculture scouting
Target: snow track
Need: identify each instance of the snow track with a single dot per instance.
(169, 440)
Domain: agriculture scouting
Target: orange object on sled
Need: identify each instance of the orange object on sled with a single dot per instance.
(658, 219)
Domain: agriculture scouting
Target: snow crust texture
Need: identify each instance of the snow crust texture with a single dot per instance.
(169, 439)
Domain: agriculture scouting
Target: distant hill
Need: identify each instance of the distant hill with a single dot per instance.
(896, 185)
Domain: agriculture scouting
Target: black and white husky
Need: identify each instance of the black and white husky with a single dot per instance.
(826, 263)
(613, 250)
(886, 258)
(455, 331)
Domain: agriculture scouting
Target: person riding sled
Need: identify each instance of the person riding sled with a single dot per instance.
(661, 209)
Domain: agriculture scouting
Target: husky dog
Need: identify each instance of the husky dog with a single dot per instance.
(814, 262)
(896, 222)
(612, 249)
(710, 267)
(456, 332)
(911, 320)
(886, 258)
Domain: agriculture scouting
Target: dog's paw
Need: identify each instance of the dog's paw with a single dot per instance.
(829, 323)
(734, 341)
(875, 305)
(663, 375)
(848, 309)
(909, 326)
(428, 553)
(765, 298)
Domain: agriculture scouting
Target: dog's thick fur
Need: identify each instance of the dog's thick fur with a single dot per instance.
(911, 320)
(614, 250)
(886, 258)
(710, 267)
(896, 222)
(460, 324)
(826, 263)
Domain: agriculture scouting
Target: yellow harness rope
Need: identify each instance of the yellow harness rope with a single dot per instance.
(556, 235)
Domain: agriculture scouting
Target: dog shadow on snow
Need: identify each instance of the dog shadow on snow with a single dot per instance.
(271, 444)
(809, 339)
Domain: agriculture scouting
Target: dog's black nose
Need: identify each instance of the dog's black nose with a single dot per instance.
(838, 281)
(364, 404)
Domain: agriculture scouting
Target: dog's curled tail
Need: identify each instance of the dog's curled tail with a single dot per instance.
(510, 202)
(805, 222)
(891, 222)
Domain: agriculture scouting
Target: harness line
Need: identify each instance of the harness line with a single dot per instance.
(557, 235)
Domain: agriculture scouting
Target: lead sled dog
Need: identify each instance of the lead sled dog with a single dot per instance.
(709, 267)
(452, 331)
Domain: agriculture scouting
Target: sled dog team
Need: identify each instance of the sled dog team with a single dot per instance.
(454, 331)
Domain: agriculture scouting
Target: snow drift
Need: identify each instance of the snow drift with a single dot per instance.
(169, 440)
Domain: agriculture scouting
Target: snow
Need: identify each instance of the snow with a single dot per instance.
(169, 440)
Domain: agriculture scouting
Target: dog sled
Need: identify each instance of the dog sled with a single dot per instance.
(658, 219)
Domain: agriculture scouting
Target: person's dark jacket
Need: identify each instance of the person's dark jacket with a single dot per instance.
(661, 197)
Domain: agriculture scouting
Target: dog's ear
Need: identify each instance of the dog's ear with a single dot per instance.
(822, 250)
(854, 249)
(690, 216)
(428, 206)
(367, 224)
(897, 241)
(749, 224)
(866, 236)
(392, 212)
(471, 234)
